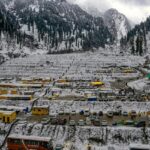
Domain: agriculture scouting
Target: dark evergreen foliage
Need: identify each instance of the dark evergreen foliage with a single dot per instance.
(56, 22)
(138, 33)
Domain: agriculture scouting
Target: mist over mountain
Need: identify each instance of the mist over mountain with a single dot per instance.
(135, 10)
(117, 23)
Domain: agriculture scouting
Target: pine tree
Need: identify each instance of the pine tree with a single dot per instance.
(137, 45)
(140, 46)
(28, 26)
(144, 38)
(132, 46)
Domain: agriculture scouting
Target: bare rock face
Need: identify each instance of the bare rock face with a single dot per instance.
(117, 23)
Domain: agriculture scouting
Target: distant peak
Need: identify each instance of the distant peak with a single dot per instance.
(117, 23)
(113, 10)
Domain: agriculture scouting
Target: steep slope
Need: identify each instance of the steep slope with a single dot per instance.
(138, 39)
(8, 32)
(117, 23)
(55, 26)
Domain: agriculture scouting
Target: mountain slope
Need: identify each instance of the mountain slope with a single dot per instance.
(138, 39)
(54, 26)
(117, 23)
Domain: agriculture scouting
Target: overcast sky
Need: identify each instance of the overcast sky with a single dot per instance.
(135, 10)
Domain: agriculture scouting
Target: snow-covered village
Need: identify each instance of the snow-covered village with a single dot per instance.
(73, 76)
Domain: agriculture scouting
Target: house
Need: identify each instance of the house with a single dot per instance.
(7, 116)
(40, 110)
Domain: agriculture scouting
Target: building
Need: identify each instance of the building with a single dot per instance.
(19, 85)
(35, 80)
(92, 99)
(7, 116)
(40, 110)
(15, 97)
(61, 81)
(3, 91)
(24, 142)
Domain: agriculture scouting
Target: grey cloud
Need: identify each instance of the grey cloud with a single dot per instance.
(135, 10)
(137, 2)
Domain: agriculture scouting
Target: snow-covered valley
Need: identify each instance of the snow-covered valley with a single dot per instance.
(79, 69)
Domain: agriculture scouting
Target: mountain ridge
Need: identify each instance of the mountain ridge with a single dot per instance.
(117, 23)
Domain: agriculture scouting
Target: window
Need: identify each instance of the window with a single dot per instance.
(45, 144)
(29, 142)
(17, 141)
(26, 142)
(8, 120)
(34, 142)
(10, 140)
(3, 119)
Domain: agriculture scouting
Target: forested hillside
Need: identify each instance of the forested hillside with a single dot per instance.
(137, 39)
(53, 26)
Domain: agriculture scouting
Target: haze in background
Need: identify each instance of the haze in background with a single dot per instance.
(135, 10)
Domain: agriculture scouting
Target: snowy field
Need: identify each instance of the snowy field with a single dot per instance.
(140, 85)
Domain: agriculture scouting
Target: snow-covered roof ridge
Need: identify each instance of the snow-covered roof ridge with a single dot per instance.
(31, 137)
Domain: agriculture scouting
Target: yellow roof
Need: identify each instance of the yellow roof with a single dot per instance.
(128, 70)
(97, 83)
(61, 80)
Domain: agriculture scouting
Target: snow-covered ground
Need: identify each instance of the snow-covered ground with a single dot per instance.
(98, 137)
(102, 65)
(76, 65)
(141, 85)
